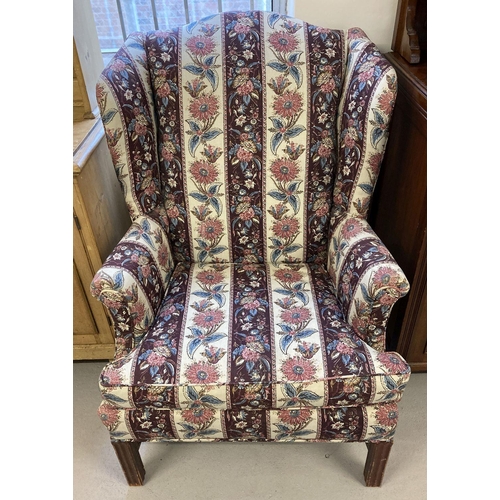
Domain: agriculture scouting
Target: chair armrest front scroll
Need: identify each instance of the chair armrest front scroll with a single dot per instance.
(132, 281)
(367, 278)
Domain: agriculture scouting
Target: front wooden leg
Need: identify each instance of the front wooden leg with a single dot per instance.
(378, 454)
(130, 460)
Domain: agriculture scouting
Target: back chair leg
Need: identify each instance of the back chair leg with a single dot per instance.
(376, 460)
(130, 460)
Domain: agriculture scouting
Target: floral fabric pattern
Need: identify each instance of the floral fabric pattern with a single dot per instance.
(251, 337)
(368, 280)
(249, 296)
(367, 423)
(368, 99)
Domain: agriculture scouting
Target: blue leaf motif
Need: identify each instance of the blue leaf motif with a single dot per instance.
(302, 297)
(212, 400)
(305, 333)
(212, 78)
(192, 346)
(278, 66)
(118, 280)
(376, 135)
(192, 394)
(296, 74)
(285, 342)
(216, 204)
(277, 195)
(108, 116)
(202, 198)
(290, 390)
(277, 123)
(294, 131)
(272, 19)
(195, 70)
(309, 396)
(276, 140)
(215, 337)
(211, 134)
(295, 202)
(194, 126)
(193, 143)
(275, 255)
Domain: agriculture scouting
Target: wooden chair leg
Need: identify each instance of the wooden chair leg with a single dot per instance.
(376, 460)
(130, 460)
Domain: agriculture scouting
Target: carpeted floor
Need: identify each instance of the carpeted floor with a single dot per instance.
(238, 471)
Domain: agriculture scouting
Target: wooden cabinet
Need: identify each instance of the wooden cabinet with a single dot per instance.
(399, 210)
(100, 219)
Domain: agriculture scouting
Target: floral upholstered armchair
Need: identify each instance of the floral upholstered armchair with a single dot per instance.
(249, 296)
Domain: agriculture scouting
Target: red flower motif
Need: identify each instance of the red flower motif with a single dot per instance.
(374, 162)
(283, 41)
(111, 376)
(173, 212)
(118, 65)
(210, 277)
(109, 415)
(344, 349)
(204, 172)
(284, 170)
(286, 227)
(204, 108)
(155, 359)
(386, 276)
(295, 315)
(241, 28)
(199, 415)
(324, 151)
(200, 45)
(298, 369)
(386, 102)
(247, 214)
(387, 414)
(138, 310)
(250, 355)
(209, 318)
(202, 373)
(211, 229)
(245, 88)
(164, 90)
(244, 155)
(288, 104)
(294, 417)
(288, 276)
(392, 363)
(351, 228)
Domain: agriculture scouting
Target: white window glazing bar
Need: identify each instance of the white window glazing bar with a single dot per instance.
(122, 21)
(155, 15)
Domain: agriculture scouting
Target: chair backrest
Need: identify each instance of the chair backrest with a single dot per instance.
(248, 131)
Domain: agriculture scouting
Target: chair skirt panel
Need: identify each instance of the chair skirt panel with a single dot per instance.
(251, 337)
(202, 423)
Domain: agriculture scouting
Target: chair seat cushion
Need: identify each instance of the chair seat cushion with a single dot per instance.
(252, 337)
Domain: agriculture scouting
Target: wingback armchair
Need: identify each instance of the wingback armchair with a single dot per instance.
(250, 296)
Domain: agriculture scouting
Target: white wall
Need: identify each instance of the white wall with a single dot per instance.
(375, 17)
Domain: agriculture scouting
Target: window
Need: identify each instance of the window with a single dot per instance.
(115, 19)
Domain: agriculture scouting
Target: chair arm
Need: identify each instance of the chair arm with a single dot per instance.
(367, 278)
(132, 281)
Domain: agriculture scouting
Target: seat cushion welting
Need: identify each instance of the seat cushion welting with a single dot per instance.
(252, 337)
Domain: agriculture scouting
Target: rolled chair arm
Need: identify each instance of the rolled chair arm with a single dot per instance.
(132, 281)
(367, 278)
